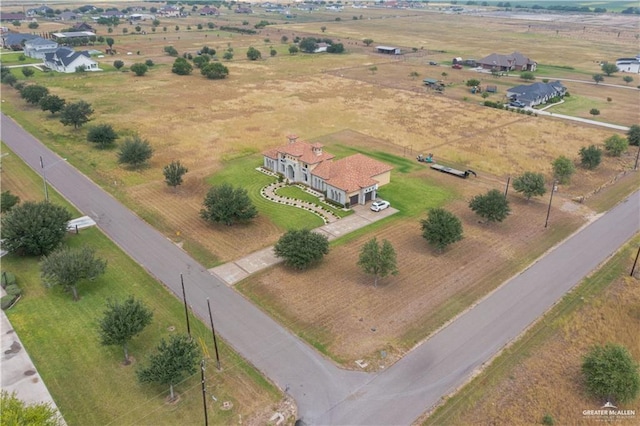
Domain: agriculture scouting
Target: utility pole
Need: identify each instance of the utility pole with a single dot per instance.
(44, 179)
(506, 190)
(186, 309)
(633, 268)
(635, 167)
(204, 393)
(553, 188)
(213, 330)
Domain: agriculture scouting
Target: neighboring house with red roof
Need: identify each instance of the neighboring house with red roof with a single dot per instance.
(348, 181)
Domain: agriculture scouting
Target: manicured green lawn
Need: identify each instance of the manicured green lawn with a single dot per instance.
(299, 194)
(87, 380)
(14, 59)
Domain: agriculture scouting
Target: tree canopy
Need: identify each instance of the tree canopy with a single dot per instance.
(67, 266)
(215, 71)
(33, 93)
(609, 68)
(376, 260)
(122, 321)
(633, 135)
(139, 69)
(367, 41)
(17, 412)
(52, 103)
(563, 168)
(616, 145)
(102, 135)
(308, 44)
(181, 67)
(253, 53)
(7, 201)
(76, 114)
(492, 206)
(118, 64)
(530, 184)
(301, 248)
(441, 228)
(173, 173)
(590, 157)
(611, 373)
(293, 49)
(172, 361)
(134, 152)
(34, 229)
(598, 78)
(226, 204)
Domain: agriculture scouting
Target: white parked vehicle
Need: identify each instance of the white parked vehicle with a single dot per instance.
(376, 206)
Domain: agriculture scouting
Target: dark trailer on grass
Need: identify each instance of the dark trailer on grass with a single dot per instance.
(455, 172)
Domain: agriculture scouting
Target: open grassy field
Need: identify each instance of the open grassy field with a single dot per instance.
(88, 381)
(540, 374)
(219, 128)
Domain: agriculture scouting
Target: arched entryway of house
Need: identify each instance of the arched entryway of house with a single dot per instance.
(290, 172)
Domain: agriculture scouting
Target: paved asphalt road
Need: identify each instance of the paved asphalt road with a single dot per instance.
(324, 393)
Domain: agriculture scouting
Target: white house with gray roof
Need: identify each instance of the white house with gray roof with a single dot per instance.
(536, 93)
(68, 60)
(38, 47)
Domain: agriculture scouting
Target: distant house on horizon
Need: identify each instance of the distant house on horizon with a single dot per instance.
(349, 181)
(15, 41)
(513, 62)
(67, 60)
(631, 65)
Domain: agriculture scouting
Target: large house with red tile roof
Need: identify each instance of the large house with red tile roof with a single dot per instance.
(348, 181)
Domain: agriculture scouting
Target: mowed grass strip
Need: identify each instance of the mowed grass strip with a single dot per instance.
(611, 294)
(299, 194)
(87, 380)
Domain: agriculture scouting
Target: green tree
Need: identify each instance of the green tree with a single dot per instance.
(335, 48)
(52, 103)
(202, 60)
(139, 69)
(284, 39)
(301, 248)
(17, 412)
(134, 152)
(102, 135)
(598, 78)
(253, 53)
(609, 68)
(67, 266)
(9, 79)
(611, 373)
(171, 51)
(590, 157)
(33, 93)
(181, 67)
(308, 44)
(7, 201)
(373, 69)
(616, 145)
(530, 184)
(215, 71)
(123, 321)
(367, 41)
(323, 28)
(155, 22)
(293, 49)
(118, 64)
(109, 42)
(171, 363)
(173, 173)
(563, 168)
(627, 79)
(473, 82)
(27, 71)
(273, 52)
(441, 228)
(34, 229)
(414, 75)
(227, 56)
(594, 111)
(226, 204)
(492, 206)
(76, 114)
(33, 25)
(376, 260)
(633, 135)
(527, 75)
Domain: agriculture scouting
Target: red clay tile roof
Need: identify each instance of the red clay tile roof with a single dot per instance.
(304, 151)
(351, 173)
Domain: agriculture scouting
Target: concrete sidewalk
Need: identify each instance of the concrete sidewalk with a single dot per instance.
(237, 270)
(17, 372)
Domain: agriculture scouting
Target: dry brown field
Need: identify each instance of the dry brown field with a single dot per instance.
(330, 98)
(547, 379)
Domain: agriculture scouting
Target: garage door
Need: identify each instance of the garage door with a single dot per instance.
(353, 200)
(368, 196)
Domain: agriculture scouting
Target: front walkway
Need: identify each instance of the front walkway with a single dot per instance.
(237, 270)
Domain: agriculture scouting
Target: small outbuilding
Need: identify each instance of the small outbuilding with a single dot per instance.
(389, 50)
